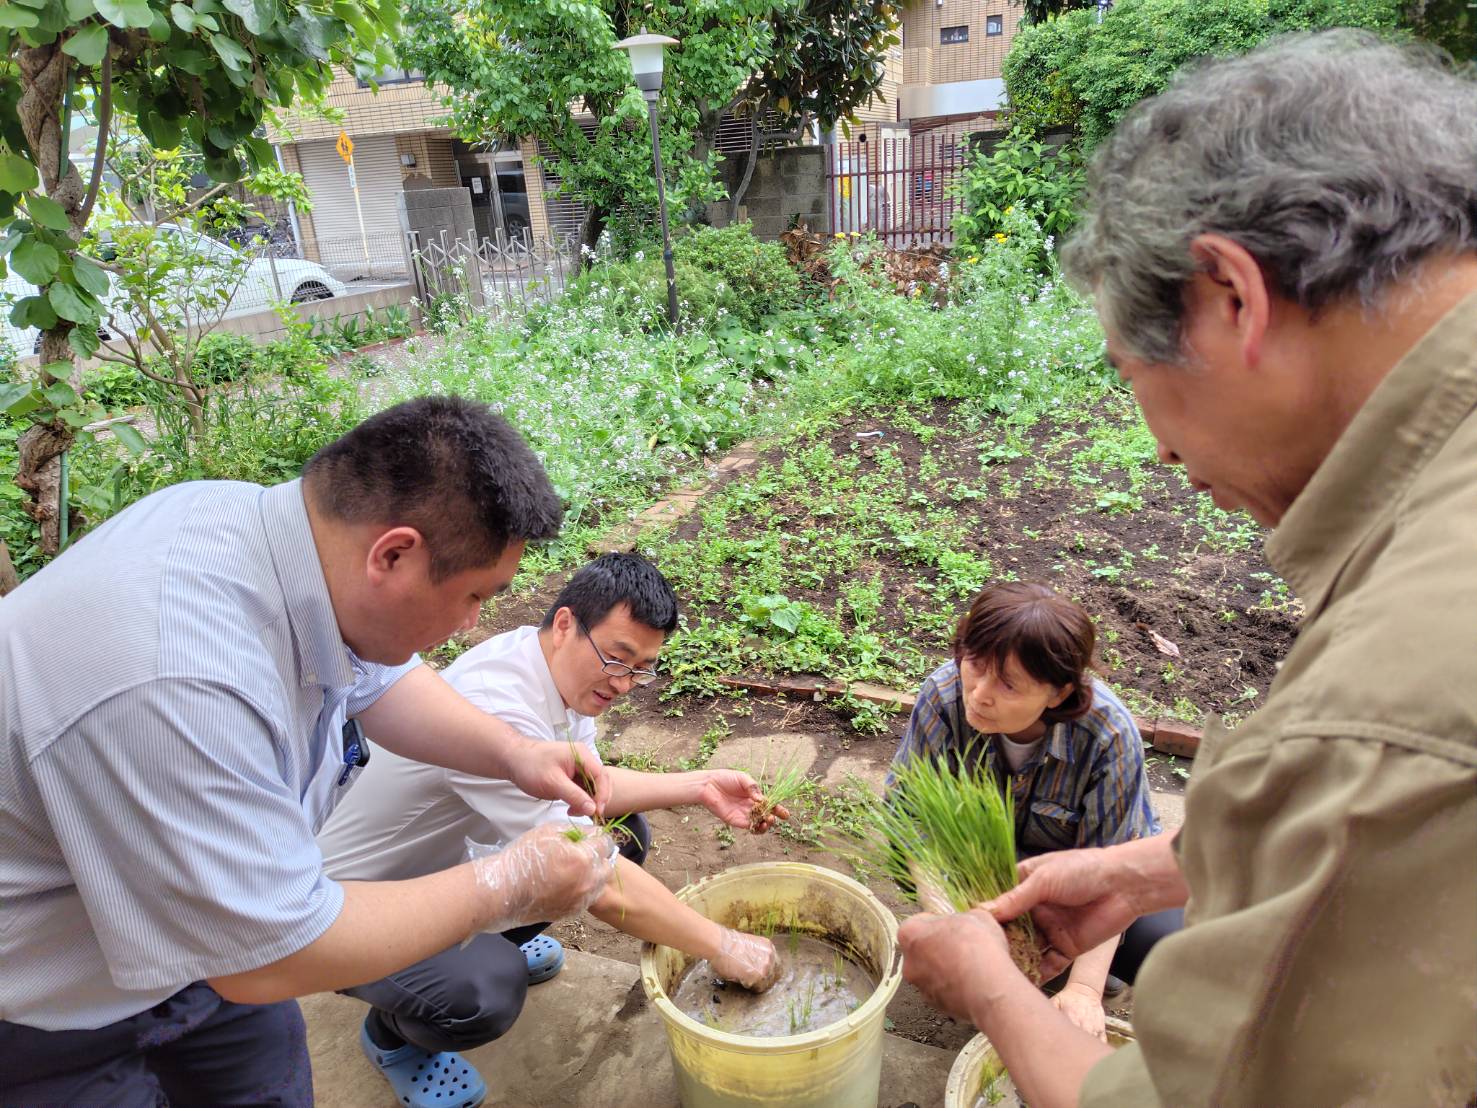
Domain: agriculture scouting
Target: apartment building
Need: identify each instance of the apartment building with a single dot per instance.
(944, 77)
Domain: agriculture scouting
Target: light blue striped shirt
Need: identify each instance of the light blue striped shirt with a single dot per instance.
(173, 691)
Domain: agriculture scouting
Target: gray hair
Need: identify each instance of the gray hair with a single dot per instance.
(1338, 160)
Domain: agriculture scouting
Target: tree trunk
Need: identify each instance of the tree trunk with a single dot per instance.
(737, 199)
(591, 229)
(44, 83)
(39, 473)
(9, 579)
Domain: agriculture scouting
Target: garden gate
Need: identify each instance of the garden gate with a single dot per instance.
(501, 276)
(904, 190)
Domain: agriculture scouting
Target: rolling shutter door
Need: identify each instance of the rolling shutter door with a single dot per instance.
(341, 248)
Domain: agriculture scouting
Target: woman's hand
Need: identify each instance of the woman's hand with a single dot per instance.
(1084, 1007)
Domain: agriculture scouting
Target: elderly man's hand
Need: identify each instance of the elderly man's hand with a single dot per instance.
(731, 794)
(955, 960)
(1078, 899)
(561, 771)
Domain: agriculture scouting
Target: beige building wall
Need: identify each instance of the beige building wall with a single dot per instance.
(883, 106)
(435, 164)
(394, 109)
(930, 61)
(533, 181)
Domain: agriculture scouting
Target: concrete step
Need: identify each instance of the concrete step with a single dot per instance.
(586, 1039)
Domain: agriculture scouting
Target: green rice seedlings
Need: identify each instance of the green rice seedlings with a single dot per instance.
(616, 828)
(770, 923)
(954, 830)
(780, 787)
(990, 1091)
(838, 971)
(801, 1009)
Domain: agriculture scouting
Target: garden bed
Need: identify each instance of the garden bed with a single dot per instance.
(873, 542)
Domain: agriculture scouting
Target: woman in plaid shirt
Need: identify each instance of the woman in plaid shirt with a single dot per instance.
(1019, 695)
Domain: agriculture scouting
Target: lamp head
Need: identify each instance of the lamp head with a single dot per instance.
(646, 60)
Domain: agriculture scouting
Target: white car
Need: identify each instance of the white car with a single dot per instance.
(265, 282)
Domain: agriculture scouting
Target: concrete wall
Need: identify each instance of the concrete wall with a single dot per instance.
(265, 326)
(441, 217)
(787, 183)
(431, 211)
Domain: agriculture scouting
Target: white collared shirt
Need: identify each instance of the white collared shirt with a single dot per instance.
(407, 819)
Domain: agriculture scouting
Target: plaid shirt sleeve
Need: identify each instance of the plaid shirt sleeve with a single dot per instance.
(1116, 804)
(929, 731)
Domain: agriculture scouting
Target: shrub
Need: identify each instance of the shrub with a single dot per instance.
(634, 294)
(758, 272)
(1014, 334)
(1076, 71)
(222, 356)
(1020, 172)
(114, 386)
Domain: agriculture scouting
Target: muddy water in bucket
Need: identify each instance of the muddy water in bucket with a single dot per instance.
(817, 987)
(838, 1065)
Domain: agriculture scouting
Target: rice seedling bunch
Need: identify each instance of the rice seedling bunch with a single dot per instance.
(952, 828)
(782, 786)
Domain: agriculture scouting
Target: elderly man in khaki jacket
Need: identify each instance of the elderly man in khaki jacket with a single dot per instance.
(1283, 250)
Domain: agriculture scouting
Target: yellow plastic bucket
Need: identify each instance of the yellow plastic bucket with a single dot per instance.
(968, 1071)
(838, 1066)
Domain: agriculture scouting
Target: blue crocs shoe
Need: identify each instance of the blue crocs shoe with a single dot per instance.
(425, 1080)
(545, 956)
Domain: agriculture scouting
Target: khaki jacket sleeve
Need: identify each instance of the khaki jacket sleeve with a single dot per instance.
(1330, 953)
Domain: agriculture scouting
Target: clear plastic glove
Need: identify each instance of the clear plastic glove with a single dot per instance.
(751, 960)
(541, 875)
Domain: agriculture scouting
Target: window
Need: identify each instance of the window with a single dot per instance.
(950, 35)
(393, 76)
(994, 25)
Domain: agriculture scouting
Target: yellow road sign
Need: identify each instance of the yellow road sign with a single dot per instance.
(345, 146)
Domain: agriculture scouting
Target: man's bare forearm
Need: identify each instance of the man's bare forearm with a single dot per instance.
(640, 905)
(383, 927)
(633, 791)
(1151, 873)
(422, 718)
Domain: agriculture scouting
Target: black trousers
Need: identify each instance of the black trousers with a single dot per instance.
(1133, 946)
(1140, 938)
(470, 995)
(194, 1050)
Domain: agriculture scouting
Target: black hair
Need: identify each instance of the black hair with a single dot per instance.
(451, 468)
(612, 580)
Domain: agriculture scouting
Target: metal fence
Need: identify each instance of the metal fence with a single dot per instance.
(502, 276)
(905, 190)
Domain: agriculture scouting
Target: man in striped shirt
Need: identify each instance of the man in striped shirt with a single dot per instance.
(185, 695)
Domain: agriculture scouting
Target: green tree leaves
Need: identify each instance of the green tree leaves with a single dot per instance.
(126, 13)
(35, 261)
(17, 174)
(88, 45)
(1075, 71)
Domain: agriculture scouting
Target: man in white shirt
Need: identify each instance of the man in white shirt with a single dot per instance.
(601, 636)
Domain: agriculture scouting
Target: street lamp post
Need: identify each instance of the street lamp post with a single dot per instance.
(646, 64)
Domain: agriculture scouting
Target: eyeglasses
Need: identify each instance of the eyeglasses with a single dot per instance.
(612, 668)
